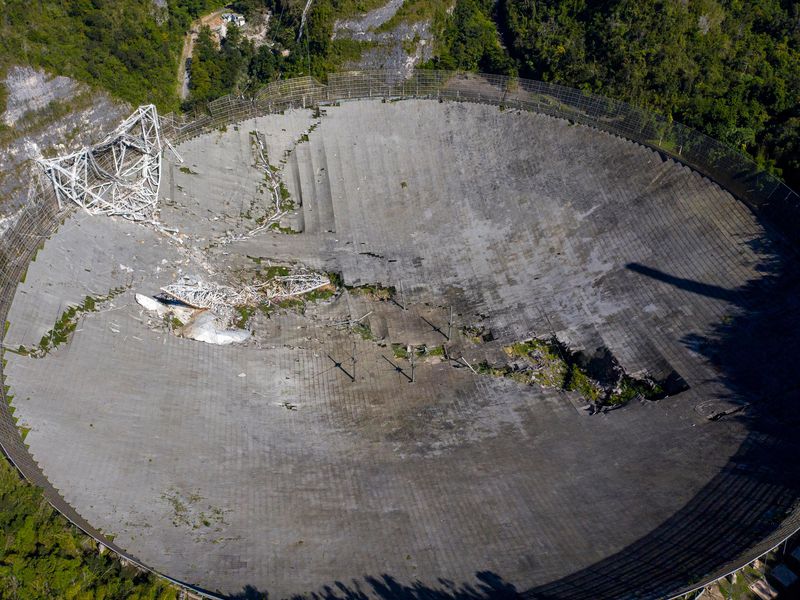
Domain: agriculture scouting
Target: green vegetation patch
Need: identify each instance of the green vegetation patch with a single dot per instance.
(414, 11)
(274, 271)
(549, 368)
(363, 330)
(435, 351)
(290, 303)
(400, 351)
(243, 314)
(740, 588)
(425, 351)
(477, 334)
(373, 291)
(65, 325)
(320, 294)
(344, 50)
(466, 39)
(281, 229)
(550, 364)
(287, 203)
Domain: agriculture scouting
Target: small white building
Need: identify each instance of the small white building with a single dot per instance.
(235, 18)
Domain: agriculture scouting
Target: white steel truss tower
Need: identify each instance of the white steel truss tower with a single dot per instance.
(120, 176)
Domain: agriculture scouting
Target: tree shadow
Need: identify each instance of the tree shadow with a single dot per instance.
(488, 586)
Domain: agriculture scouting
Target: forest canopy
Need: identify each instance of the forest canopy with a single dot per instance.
(45, 557)
(729, 68)
(128, 47)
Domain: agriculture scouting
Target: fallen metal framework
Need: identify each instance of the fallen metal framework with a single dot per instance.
(223, 299)
(277, 210)
(120, 176)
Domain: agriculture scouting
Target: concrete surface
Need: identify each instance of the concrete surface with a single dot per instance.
(266, 465)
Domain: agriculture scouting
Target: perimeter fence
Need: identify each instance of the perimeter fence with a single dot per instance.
(26, 231)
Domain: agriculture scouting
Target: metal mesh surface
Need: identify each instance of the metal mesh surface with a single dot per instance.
(762, 192)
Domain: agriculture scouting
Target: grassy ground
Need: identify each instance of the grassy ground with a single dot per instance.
(353, 8)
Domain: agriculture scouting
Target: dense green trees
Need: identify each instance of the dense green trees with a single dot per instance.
(43, 556)
(216, 72)
(129, 47)
(469, 40)
(730, 68)
(236, 66)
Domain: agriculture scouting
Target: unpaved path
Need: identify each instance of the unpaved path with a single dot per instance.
(188, 48)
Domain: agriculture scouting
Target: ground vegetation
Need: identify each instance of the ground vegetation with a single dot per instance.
(128, 47)
(548, 363)
(43, 556)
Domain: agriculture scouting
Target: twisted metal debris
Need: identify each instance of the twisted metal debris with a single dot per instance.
(223, 299)
(274, 185)
(120, 176)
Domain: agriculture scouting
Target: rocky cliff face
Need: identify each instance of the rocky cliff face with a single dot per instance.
(397, 50)
(46, 115)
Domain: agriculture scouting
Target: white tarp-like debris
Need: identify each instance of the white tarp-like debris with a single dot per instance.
(151, 304)
(120, 176)
(163, 309)
(204, 327)
(201, 324)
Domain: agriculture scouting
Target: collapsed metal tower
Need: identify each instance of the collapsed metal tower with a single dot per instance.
(120, 176)
(223, 299)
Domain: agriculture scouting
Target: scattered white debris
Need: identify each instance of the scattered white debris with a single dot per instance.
(275, 190)
(201, 325)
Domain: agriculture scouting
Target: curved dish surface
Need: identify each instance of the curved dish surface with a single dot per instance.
(266, 465)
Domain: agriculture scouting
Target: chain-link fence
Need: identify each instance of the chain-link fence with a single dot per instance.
(732, 169)
(736, 172)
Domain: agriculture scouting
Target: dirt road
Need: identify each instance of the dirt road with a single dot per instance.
(188, 48)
